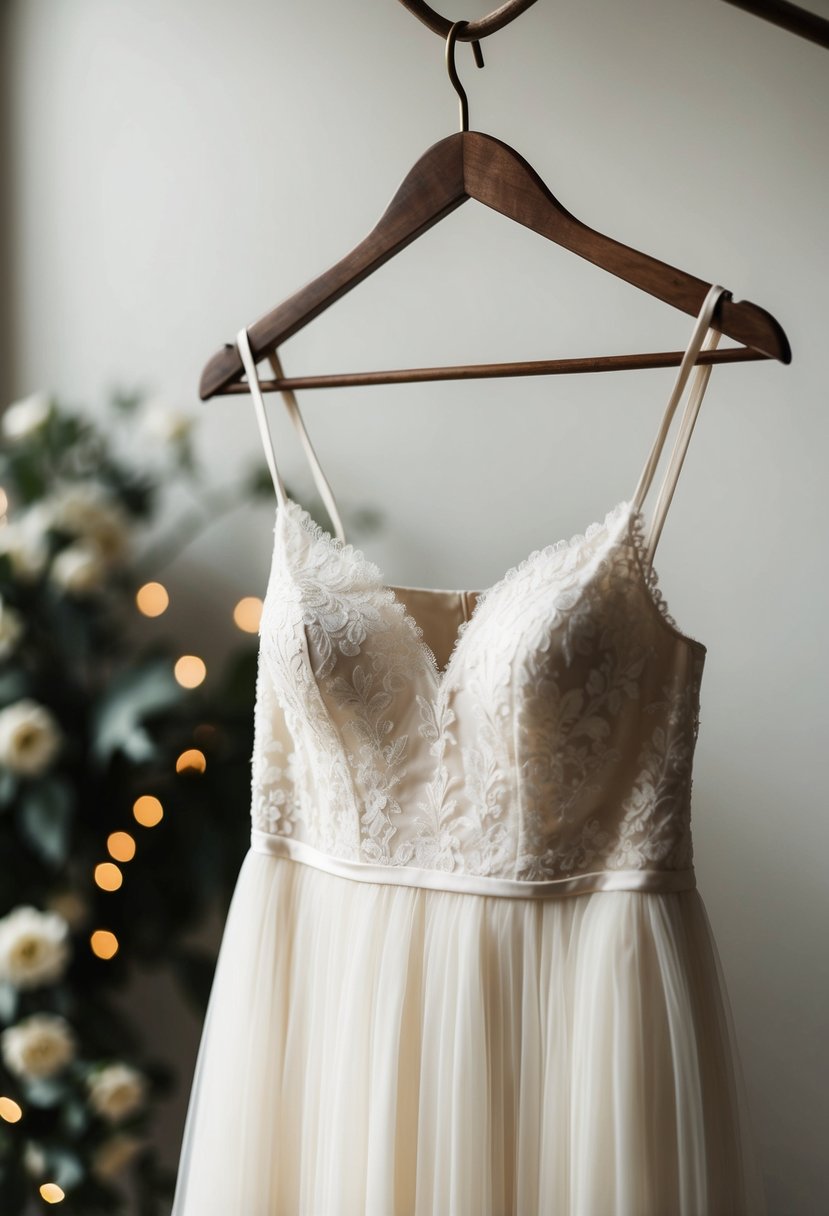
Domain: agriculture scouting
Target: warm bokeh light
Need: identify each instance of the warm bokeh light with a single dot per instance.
(103, 943)
(51, 1192)
(121, 846)
(247, 613)
(108, 876)
(152, 599)
(190, 670)
(10, 1111)
(191, 761)
(4, 501)
(148, 811)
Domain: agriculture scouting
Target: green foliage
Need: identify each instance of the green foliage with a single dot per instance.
(44, 810)
(108, 723)
(122, 715)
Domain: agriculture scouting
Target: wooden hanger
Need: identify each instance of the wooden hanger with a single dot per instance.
(470, 164)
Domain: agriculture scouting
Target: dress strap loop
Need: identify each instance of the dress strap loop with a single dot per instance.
(702, 331)
(292, 406)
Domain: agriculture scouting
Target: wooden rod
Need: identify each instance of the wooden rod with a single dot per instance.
(477, 371)
(789, 16)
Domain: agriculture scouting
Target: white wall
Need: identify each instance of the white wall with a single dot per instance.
(180, 166)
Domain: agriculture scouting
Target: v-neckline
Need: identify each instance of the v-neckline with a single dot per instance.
(373, 573)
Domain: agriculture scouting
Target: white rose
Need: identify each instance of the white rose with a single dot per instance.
(38, 517)
(25, 417)
(29, 737)
(78, 569)
(11, 628)
(114, 1154)
(91, 513)
(34, 947)
(111, 535)
(24, 545)
(116, 1092)
(34, 1159)
(164, 423)
(39, 1046)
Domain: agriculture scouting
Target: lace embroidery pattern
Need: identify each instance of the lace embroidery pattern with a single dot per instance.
(656, 824)
(324, 806)
(379, 762)
(438, 844)
(273, 805)
(515, 761)
(650, 577)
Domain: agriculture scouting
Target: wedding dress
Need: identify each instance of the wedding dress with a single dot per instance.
(466, 970)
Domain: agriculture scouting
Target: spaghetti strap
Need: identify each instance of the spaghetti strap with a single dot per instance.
(702, 328)
(292, 405)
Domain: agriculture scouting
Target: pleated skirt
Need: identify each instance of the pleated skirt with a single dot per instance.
(394, 1051)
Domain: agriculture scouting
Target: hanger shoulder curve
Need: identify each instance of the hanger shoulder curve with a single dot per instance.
(471, 164)
(430, 190)
(498, 176)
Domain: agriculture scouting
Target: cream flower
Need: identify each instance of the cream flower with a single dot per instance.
(38, 1047)
(34, 947)
(25, 548)
(116, 1092)
(38, 517)
(29, 737)
(115, 1154)
(24, 417)
(90, 512)
(34, 1159)
(11, 628)
(78, 569)
(165, 423)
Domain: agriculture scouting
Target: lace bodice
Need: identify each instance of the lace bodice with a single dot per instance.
(550, 752)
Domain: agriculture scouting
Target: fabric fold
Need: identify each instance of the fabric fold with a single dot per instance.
(398, 1051)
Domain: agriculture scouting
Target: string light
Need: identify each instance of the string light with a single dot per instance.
(104, 944)
(148, 811)
(190, 670)
(108, 876)
(121, 846)
(51, 1192)
(191, 761)
(10, 1110)
(248, 613)
(152, 599)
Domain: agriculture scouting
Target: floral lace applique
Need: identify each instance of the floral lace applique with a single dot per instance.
(656, 816)
(272, 764)
(524, 758)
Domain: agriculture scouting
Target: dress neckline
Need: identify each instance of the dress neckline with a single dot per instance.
(623, 511)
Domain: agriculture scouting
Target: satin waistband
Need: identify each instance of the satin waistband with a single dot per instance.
(471, 884)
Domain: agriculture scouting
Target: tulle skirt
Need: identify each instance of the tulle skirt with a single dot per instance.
(394, 1051)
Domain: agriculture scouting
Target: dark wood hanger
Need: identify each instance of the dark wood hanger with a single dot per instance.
(470, 164)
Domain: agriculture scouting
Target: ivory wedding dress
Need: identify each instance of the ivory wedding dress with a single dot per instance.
(466, 970)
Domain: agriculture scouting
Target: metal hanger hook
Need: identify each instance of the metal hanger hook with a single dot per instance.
(453, 71)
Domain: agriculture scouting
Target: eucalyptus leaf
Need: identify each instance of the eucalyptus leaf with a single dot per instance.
(45, 818)
(14, 684)
(9, 997)
(76, 1117)
(134, 695)
(8, 787)
(46, 1092)
(64, 1166)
